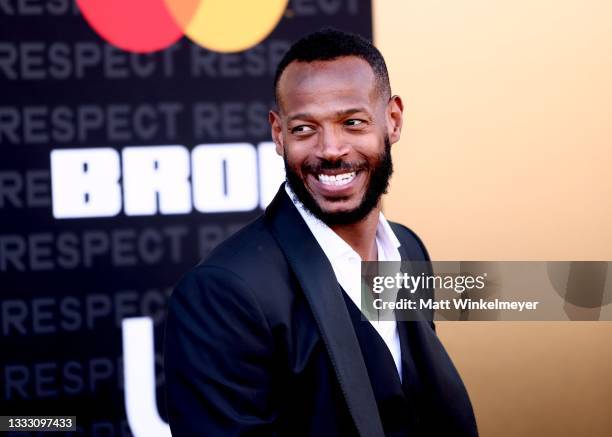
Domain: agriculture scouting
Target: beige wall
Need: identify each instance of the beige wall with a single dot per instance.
(506, 154)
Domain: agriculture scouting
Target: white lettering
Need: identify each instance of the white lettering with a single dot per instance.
(93, 182)
(84, 183)
(139, 377)
(225, 177)
(156, 179)
(271, 172)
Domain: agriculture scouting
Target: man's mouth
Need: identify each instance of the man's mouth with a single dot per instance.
(338, 179)
(336, 183)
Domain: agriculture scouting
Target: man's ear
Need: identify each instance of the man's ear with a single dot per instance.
(395, 110)
(276, 128)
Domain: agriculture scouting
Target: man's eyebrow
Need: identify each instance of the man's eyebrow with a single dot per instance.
(339, 114)
(350, 111)
(301, 115)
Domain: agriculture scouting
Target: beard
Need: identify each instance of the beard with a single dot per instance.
(377, 185)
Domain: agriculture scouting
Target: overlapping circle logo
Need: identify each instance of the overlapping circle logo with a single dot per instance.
(144, 26)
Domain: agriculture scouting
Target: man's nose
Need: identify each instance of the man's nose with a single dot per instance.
(331, 145)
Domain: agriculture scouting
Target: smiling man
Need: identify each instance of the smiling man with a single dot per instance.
(265, 336)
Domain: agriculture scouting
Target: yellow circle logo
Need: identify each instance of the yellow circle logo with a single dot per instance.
(144, 26)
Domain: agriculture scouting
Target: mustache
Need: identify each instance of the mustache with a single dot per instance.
(321, 165)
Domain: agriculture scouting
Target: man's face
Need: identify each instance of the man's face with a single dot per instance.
(334, 130)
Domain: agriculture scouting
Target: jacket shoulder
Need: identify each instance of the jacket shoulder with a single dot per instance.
(252, 243)
(410, 241)
(251, 254)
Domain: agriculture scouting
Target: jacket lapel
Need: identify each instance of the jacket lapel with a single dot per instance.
(319, 284)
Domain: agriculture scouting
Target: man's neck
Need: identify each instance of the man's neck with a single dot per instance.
(361, 236)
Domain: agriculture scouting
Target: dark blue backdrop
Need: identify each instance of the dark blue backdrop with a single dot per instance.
(67, 283)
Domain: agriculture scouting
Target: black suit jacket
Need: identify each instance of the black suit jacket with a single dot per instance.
(259, 341)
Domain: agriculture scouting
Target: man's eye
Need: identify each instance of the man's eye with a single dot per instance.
(301, 129)
(353, 122)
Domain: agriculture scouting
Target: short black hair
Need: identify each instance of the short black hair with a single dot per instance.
(329, 44)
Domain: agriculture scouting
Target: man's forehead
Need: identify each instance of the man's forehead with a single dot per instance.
(343, 78)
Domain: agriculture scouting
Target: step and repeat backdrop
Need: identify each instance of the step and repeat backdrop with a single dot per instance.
(133, 139)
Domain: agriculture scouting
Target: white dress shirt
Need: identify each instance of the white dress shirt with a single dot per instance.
(346, 264)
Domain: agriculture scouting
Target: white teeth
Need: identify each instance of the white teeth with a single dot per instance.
(337, 180)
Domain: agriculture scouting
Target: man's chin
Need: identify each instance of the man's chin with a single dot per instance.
(331, 210)
(337, 208)
(337, 215)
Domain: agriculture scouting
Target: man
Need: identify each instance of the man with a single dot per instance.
(265, 337)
